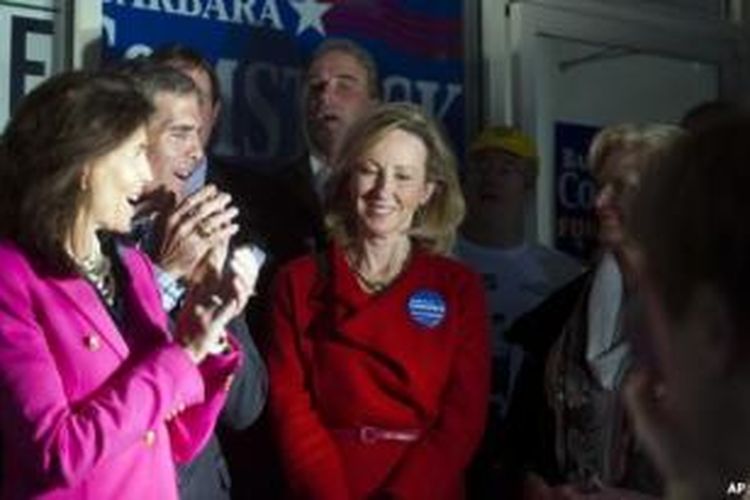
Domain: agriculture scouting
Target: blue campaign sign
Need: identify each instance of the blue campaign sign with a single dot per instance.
(575, 228)
(259, 48)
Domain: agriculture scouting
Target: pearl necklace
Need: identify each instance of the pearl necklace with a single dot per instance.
(97, 268)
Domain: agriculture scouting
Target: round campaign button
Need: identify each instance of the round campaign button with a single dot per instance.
(427, 308)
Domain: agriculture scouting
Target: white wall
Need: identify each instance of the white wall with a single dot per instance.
(595, 86)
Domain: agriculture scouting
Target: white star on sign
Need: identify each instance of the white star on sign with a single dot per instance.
(310, 14)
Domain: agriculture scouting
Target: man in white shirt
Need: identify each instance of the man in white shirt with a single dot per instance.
(518, 275)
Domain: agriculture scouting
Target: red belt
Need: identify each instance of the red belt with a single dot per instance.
(368, 434)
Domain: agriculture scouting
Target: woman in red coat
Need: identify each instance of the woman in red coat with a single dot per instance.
(379, 361)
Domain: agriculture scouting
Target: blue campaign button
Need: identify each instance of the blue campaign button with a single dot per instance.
(427, 308)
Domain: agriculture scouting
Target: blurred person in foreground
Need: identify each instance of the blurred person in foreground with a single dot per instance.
(691, 246)
(99, 393)
(708, 114)
(379, 359)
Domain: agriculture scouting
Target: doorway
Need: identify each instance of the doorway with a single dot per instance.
(579, 66)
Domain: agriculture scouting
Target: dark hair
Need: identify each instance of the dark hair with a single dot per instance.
(182, 57)
(152, 78)
(69, 120)
(356, 51)
(434, 225)
(708, 114)
(688, 219)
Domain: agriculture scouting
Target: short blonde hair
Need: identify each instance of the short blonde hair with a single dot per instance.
(434, 225)
(646, 139)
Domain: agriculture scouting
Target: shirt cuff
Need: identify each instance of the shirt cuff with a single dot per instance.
(171, 289)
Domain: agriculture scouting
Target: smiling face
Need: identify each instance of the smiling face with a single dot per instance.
(114, 182)
(618, 180)
(389, 184)
(337, 94)
(175, 145)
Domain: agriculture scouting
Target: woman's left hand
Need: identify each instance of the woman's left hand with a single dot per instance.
(238, 282)
(213, 302)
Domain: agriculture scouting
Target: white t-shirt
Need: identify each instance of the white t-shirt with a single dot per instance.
(516, 281)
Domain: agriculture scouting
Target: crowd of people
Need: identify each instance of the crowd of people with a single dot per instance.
(364, 322)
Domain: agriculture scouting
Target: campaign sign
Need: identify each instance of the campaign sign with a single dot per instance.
(259, 48)
(26, 51)
(575, 228)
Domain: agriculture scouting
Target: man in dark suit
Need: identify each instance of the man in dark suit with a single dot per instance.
(340, 84)
(185, 235)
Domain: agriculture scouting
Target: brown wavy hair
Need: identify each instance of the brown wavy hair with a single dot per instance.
(66, 122)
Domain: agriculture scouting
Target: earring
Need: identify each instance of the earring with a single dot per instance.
(84, 180)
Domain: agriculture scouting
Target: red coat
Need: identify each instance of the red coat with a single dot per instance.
(415, 357)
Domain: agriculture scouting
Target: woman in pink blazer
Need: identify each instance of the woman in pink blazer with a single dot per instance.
(97, 397)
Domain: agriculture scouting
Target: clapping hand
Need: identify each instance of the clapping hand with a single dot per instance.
(201, 324)
(201, 224)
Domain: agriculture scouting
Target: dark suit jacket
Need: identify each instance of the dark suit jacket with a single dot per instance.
(524, 441)
(281, 213)
(207, 476)
(279, 208)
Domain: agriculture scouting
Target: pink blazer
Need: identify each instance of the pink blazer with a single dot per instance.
(83, 414)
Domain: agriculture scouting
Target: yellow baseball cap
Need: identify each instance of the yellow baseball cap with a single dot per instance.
(507, 139)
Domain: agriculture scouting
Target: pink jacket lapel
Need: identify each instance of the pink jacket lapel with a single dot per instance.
(138, 282)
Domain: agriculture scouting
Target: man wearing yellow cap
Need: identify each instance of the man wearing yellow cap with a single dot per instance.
(518, 275)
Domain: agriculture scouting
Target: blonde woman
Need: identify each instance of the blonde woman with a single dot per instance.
(379, 360)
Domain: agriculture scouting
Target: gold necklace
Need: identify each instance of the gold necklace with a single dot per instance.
(370, 285)
(378, 285)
